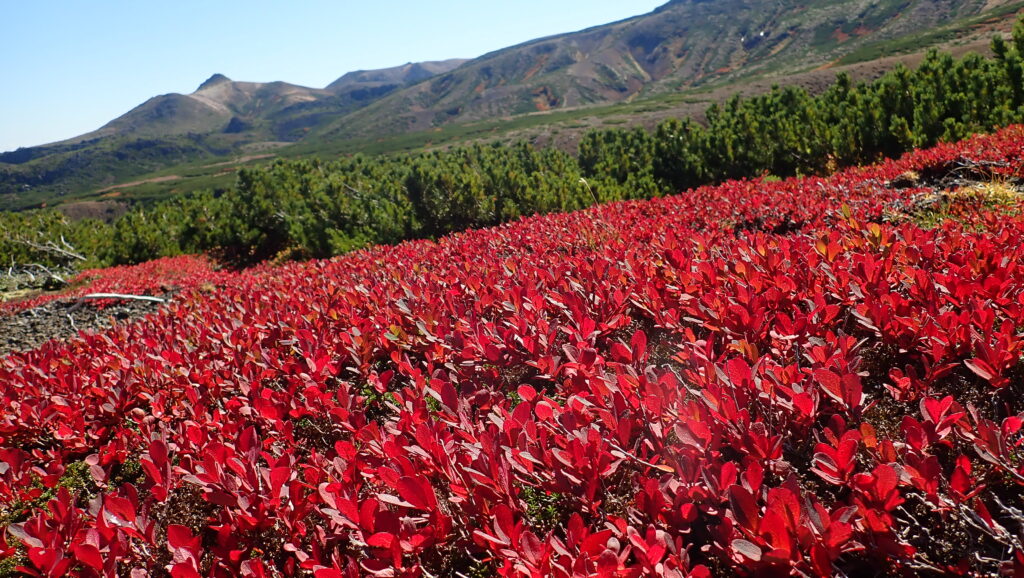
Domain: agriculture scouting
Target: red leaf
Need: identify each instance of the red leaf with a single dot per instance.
(181, 537)
(18, 531)
(449, 397)
(504, 522)
(278, 477)
(620, 353)
(52, 561)
(934, 410)
(839, 533)
(596, 542)
(153, 471)
(322, 362)
(853, 391)
(775, 527)
(805, 403)
(186, 570)
(913, 433)
(607, 564)
(820, 561)
(121, 508)
(1011, 425)
(394, 501)
(492, 353)
(527, 393)
(417, 491)
(738, 372)
(381, 540)
(222, 498)
(158, 453)
(490, 538)
(980, 368)
(830, 383)
(744, 508)
(961, 480)
(867, 433)
(887, 479)
(531, 547)
(544, 411)
(639, 345)
(88, 555)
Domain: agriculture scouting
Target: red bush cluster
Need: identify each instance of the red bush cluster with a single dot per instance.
(756, 378)
(156, 277)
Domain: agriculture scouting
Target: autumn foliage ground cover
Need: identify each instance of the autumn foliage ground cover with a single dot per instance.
(762, 378)
(157, 277)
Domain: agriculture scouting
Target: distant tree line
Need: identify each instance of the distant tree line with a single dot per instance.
(304, 209)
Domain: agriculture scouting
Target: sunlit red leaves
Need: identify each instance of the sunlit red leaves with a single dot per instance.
(155, 277)
(634, 390)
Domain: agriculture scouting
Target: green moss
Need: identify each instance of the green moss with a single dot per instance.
(930, 211)
(432, 403)
(77, 477)
(8, 566)
(479, 569)
(513, 398)
(545, 511)
(129, 472)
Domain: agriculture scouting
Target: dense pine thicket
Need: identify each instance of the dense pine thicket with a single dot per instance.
(315, 209)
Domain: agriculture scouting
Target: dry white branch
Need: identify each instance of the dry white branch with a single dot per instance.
(122, 296)
(51, 247)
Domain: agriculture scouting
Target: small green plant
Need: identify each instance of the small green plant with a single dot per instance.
(930, 211)
(8, 566)
(545, 510)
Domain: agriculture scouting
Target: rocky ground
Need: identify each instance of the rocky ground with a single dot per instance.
(62, 319)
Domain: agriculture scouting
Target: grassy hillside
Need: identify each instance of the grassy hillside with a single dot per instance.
(169, 135)
(681, 45)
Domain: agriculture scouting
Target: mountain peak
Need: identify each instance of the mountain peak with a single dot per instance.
(214, 81)
(403, 75)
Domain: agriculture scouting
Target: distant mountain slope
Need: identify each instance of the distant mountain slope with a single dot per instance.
(264, 111)
(684, 43)
(397, 76)
(219, 105)
(222, 117)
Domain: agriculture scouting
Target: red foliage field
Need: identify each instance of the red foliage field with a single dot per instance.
(763, 378)
(156, 277)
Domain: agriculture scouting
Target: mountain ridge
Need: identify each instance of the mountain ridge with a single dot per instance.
(681, 44)
(221, 104)
(217, 78)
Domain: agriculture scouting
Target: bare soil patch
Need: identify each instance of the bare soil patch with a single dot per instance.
(137, 183)
(31, 328)
(106, 211)
(242, 160)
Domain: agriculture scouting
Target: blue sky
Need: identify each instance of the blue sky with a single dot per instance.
(69, 66)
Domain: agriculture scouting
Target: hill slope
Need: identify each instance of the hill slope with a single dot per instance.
(263, 111)
(685, 43)
(222, 117)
